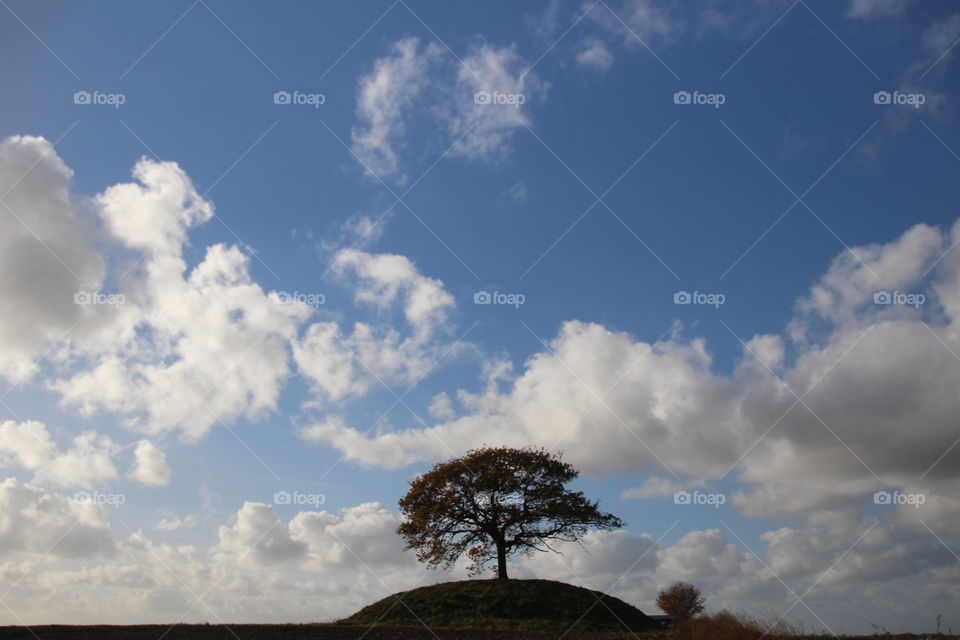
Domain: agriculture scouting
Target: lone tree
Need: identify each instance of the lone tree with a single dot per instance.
(493, 502)
(681, 600)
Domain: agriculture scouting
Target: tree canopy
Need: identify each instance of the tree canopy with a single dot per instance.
(493, 502)
(681, 600)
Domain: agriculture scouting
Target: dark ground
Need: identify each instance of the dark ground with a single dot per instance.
(541, 606)
(325, 632)
(268, 632)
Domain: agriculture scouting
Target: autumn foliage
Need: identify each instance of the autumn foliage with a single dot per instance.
(724, 625)
(493, 502)
(681, 600)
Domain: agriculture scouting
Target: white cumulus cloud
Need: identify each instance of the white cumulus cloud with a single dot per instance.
(193, 346)
(87, 463)
(150, 467)
(46, 255)
(44, 524)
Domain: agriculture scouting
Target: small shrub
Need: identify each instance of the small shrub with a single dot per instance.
(681, 600)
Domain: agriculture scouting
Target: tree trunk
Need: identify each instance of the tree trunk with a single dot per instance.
(501, 560)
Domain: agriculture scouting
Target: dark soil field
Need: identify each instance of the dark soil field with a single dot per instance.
(274, 632)
(333, 632)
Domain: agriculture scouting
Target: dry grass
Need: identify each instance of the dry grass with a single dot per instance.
(724, 625)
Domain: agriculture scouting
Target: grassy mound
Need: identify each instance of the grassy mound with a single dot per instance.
(541, 605)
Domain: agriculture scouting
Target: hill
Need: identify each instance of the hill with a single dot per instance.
(541, 605)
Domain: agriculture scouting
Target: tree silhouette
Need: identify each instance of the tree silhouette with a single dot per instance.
(681, 600)
(493, 502)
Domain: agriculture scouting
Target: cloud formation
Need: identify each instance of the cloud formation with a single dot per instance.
(46, 255)
(861, 361)
(340, 364)
(189, 347)
(150, 466)
(868, 9)
(322, 565)
(471, 106)
(87, 463)
(386, 97)
(37, 523)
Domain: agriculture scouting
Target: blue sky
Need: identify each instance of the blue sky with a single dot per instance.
(595, 195)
